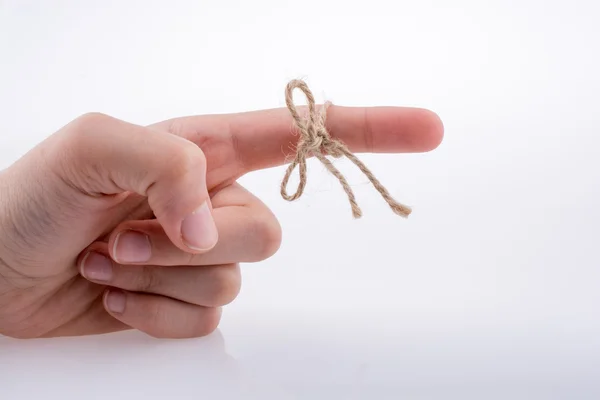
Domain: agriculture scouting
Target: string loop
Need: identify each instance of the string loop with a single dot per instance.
(316, 141)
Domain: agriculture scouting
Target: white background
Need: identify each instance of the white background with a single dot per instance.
(489, 290)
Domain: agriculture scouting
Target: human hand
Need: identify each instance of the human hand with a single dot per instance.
(108, 225)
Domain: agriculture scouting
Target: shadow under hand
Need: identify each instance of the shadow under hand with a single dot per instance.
(127, 362)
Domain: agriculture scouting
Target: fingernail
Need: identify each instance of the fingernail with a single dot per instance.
(115, 302)
(198, 230)
(132, 247)
(96, 267)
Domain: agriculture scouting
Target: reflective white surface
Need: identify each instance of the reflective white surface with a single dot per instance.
(489, 290)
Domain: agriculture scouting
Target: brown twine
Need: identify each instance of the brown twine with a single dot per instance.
(315, 140)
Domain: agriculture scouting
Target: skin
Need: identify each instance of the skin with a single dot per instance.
(98, 179)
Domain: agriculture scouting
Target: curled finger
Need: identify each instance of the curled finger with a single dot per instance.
(210, 286)
(159, 316)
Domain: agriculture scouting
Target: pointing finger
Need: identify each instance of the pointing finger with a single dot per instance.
(264, 139)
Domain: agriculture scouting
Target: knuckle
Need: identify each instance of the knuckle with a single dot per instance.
(187, 158)
(86, 122)
(224, 286)
(195, 322)
(91, 118)
(71, 154)
(79, 137)
(147, 280)
(175, 127)
(151, 316)
(268, 234)
(206, 322)
(184, 162)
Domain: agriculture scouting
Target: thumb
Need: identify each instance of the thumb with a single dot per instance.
(101, 155)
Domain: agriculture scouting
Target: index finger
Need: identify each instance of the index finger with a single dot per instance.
(266, 138)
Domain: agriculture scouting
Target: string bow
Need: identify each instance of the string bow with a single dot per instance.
(315, 140)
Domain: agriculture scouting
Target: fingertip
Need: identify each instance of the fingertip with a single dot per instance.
(199, 230)
(387, 129)
(431, 128)
(406, 129)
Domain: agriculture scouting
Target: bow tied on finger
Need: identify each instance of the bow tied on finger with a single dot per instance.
(316, 141)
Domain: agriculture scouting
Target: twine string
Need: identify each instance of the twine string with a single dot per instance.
(315, 140)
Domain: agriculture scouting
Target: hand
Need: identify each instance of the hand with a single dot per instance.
(108, 226)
